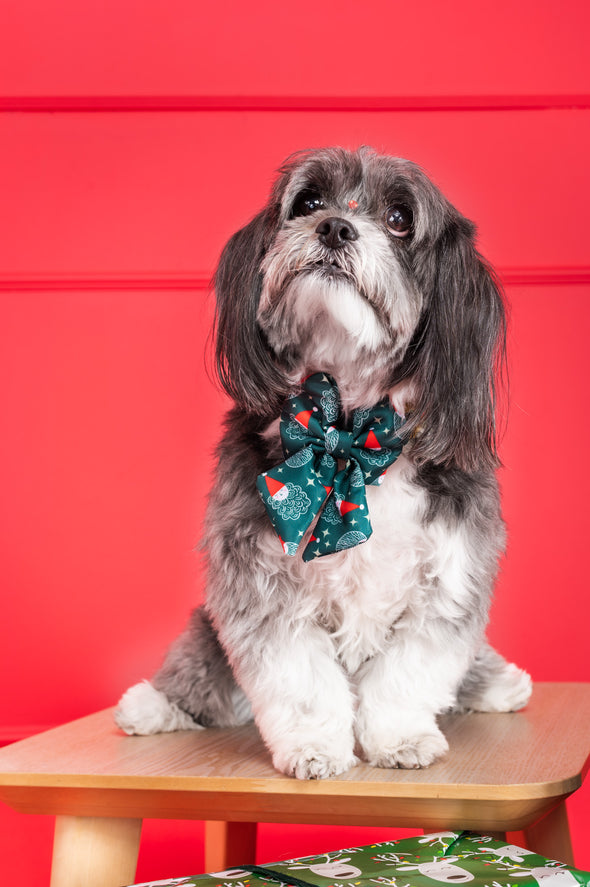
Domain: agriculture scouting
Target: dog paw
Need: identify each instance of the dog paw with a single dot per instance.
(410, 753)
(309, 763)
(509, 691)
(143, 710)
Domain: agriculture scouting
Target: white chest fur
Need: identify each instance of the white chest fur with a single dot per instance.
(360, 594)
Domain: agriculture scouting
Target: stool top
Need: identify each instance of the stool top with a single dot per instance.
(524, 760)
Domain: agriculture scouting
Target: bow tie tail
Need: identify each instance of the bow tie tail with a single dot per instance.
(293, 497)
(343, 522)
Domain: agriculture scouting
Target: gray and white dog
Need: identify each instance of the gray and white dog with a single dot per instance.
(359, 268)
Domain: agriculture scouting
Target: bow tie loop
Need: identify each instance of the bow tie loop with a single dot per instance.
(329, 461)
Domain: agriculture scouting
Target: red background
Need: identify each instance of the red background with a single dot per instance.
(135, 138)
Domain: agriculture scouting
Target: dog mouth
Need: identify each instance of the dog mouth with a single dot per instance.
(331, 269)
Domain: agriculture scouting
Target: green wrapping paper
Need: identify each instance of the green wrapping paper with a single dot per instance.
(424, 861)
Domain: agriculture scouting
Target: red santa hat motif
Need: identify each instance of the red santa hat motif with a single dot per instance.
(303, 417)
(371, 442)
(288, 547)
(276, 489)
(344, 507)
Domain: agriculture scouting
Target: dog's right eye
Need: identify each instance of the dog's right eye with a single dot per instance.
(306, 203)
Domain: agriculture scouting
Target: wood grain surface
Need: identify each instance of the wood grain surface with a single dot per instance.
(502, 770)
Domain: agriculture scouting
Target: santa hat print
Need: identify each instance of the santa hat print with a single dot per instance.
(371, 443)
(303, 417)
(289, 548)
(344, 507)
(276, 488)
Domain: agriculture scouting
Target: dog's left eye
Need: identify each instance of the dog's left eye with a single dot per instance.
(307, 202)
(399, 218)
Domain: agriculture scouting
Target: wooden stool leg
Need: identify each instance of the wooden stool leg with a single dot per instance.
(228, 844)
(551, 836)
(94, 851)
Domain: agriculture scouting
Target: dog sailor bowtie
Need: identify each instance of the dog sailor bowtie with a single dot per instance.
(329, 462)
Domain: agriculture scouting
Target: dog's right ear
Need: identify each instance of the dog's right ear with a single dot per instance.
(244, 361)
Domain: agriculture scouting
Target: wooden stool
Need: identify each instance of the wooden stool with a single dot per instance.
(504, 772)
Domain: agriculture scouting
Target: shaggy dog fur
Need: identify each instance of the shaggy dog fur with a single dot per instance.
(357, 267)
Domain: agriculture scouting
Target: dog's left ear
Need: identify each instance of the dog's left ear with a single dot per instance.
(458, 353)
(245, 364)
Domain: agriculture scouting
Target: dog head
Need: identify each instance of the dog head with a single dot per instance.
(359, 267)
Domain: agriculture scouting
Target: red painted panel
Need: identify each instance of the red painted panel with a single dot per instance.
(332, 48)
(543, 610)
(109, 424)
(160, 193)
(108, 428)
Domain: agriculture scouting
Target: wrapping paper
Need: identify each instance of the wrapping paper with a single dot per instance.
(424, 861)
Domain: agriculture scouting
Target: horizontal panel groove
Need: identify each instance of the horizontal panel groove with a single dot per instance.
(105, 282)
(539, 276)
(532, 102)
(515, 276)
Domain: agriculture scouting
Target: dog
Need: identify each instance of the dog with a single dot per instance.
(354, 531)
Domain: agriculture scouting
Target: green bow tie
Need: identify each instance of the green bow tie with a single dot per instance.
(316, 443)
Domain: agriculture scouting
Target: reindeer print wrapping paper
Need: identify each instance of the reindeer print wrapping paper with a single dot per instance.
(423, 861)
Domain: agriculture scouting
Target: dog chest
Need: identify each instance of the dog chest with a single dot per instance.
(360, 594)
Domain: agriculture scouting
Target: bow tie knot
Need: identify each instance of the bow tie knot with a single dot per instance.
(338, 442)
(329, 461)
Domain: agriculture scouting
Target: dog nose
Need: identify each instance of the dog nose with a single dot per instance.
(335, 232)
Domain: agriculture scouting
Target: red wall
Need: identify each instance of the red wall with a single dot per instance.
(135, 138)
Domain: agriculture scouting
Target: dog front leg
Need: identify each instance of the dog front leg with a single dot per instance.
(400, 692)
(302, 702)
